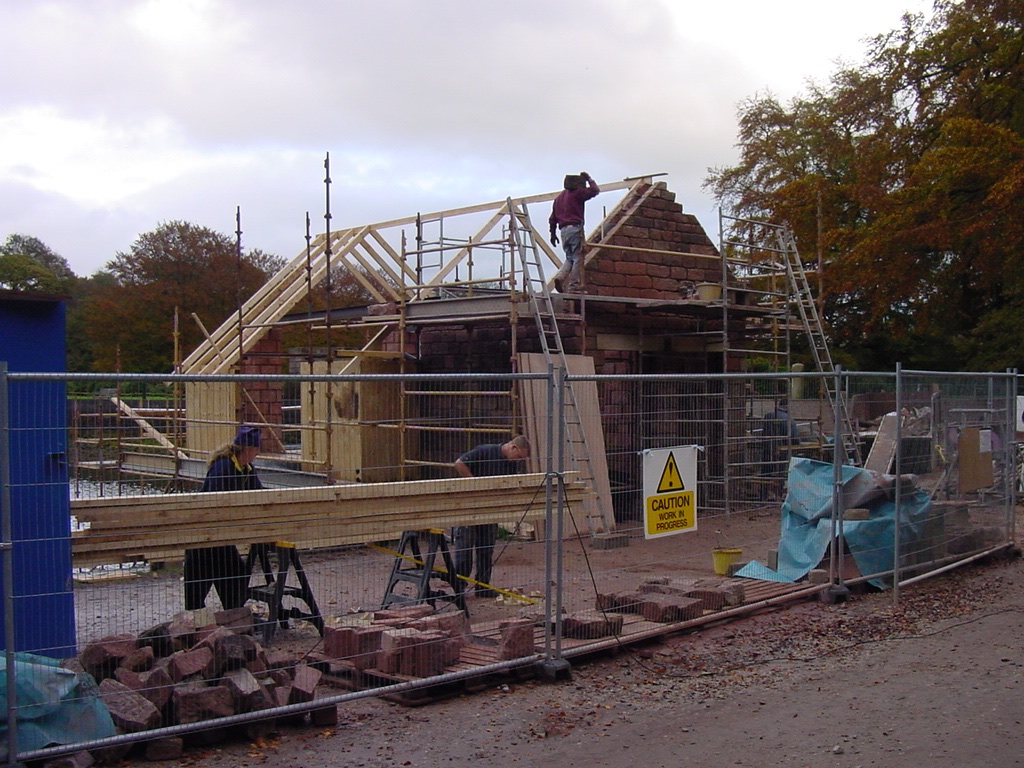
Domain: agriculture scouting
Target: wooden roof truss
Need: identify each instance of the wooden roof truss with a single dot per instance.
(377, 257)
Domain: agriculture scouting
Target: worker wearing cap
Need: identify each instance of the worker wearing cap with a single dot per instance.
(567, 218)
(230, 468)
(222, 567)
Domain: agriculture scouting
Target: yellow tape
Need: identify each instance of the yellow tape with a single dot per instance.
(442, 569)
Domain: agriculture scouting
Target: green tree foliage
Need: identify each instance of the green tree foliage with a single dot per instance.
(176, 269)
(28, 264)
(23, 273)
(906, 177)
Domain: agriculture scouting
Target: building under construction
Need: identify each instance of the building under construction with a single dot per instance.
(672, 342)
(468, 291)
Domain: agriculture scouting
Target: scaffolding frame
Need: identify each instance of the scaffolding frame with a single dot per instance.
(461, 269)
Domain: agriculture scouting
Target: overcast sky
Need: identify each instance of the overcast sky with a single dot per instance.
(119, 115)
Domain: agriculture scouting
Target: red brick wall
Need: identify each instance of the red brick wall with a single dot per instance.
(659, 224)
(262, 400)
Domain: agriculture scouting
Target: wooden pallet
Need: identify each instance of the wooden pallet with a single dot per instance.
(482, 651)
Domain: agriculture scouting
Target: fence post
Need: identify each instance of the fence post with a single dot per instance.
(837, 590)
(897, 496)
(7, 554)
(553, 666)
(1010, 445)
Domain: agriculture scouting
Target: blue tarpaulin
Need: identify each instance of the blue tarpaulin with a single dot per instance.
(54, 705)
(807, 521)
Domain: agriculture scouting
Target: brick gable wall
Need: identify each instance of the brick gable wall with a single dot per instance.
(658, 224)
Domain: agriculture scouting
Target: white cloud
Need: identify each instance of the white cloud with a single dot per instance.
(93, 161)
(123, 114)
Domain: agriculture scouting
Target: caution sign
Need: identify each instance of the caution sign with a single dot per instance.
(670, 478)
(670, 491)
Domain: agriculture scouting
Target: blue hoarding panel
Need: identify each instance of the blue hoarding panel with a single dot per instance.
(32, 340)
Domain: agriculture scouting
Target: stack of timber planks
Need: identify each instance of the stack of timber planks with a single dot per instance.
(160, 528)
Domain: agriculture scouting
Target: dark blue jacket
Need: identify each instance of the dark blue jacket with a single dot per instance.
(226, 474)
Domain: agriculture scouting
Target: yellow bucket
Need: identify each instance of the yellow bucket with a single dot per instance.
(723, 557)
(709, 291)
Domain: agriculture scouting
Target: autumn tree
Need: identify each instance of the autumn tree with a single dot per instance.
(176, 269)
(905, 175)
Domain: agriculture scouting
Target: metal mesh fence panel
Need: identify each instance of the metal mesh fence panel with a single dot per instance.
(362, 562)
(635, 582)
(969, 421)
(347, 573)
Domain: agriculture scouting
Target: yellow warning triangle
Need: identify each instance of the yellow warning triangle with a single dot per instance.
(670, 478)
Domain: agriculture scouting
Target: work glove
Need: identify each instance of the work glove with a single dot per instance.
(554, 239)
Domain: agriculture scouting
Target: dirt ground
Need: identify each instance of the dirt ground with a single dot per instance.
(350, 580)
(933, 680)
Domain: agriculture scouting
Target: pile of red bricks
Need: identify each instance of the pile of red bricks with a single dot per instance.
(665, 600)
(415, 641)
(177, 673)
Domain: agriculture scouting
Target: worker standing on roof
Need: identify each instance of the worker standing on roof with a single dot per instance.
(567, 218)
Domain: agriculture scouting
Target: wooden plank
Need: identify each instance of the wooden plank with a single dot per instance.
(170, 547)
(341, 448)
(264, 314)
(127, 529)
(383, 266)
(588, 404)
(307, 530)
(408, 273)
(148, 521)
(361, 447)
(221, 512)
(385, 493)
(380, 289)
(292, 280)
(268, 305)
(146, 427)
(543, 197)
(534, 394)
(974, 453)
(210, 408)
(883, 449)
(280, 294)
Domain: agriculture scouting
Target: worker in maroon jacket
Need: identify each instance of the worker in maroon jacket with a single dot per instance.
(567, 218)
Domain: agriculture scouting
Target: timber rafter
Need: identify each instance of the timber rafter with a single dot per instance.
(373, 254)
